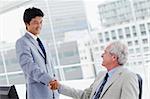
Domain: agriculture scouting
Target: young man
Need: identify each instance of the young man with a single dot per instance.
(116, 83)
(34, 59)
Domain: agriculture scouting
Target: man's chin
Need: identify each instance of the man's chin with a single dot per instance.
(37, 33)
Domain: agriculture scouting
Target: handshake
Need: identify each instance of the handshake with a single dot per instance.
(54, 85)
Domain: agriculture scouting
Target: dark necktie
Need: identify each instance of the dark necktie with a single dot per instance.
(41, 46)
(101, 87)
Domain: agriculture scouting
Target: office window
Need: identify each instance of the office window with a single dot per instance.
(136, 42)
(143, 33)
(134, 34)
(120, 33)
(107, 37)
(96, 49)
(142, 27)
(130, 43)
(145, 41)
(16, 78)
(106, 34)
(1, 65)
(101, 40)
(128, 35)
(100, 36)
(148, 61)
(73, 73)
(127, 32)
(12, 64)
(131, 51)
(3, 80)
(148, 26)
(146, 49)
(68, 54)
(133, 29)
(113, 35)
(137, 50)
(139, 62)
(102, 48)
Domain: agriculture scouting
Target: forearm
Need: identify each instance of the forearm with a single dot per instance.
(72, 92)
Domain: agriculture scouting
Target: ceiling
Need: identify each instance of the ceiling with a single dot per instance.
(7, 5)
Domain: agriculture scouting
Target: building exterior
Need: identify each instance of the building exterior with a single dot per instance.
(123, 11)
(137, 37)
(62, 16)
(127, 20)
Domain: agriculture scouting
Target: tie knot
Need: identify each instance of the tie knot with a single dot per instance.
(38, 39)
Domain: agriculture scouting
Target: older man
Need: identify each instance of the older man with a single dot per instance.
(116, 83)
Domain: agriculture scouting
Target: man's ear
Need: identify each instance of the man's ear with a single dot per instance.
(114, 57)
(27, 24)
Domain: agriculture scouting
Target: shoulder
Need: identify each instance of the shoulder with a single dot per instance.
(22, 41)
(128, 72)
(128, 75)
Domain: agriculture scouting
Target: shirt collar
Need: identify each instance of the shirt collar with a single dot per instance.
(111, 72)
(32, 35)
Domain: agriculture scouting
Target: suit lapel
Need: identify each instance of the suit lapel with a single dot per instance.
(97, 82)
(46, 51)
(35, 44)
(114, 77)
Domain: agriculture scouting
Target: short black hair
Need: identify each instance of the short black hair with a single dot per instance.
(31, 13)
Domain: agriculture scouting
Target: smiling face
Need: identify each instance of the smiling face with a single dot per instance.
(35, 25)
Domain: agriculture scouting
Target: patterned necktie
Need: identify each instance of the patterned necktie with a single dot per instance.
(41, 46)
(101, 87)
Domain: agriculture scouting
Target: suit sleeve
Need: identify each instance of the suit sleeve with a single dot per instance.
(130, 89)
(75, 93)
(79, 94)
(29, 67)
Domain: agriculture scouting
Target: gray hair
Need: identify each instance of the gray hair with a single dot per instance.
(120, 50)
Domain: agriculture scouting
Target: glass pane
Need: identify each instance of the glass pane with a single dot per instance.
(1, 65)
(57, 73)
(12, 64)
(3, 80)
(63, 20)
(73, 73)
(16, 78)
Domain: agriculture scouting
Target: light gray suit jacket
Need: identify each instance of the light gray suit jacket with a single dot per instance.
(122, 85)
(37, 73)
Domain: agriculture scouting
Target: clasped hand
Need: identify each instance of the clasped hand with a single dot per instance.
(54, 84)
